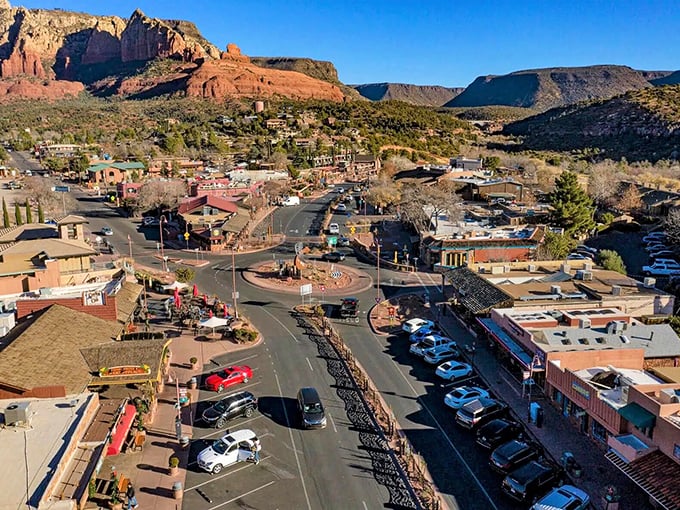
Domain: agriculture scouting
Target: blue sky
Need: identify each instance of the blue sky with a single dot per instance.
(427, 41)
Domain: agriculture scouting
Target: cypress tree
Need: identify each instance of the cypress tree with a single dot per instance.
(29, 214)
(41, 214)
(5, 214)
(572, 208)
(17, 215)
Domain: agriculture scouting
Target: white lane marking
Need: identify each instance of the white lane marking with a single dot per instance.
(281, 323)
(335, 429)
(510, 385)
(220, 396)
(310, 364)
(231, 364)
(441, 430)
(365, 506)
(243, 495)
(292, 442)
(219, 477)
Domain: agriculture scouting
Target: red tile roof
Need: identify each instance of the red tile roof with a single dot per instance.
(210, 200)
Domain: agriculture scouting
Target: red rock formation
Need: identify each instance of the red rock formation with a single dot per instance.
(22, 61)
(234, 53)
(54, 89)
(145, 39)
(104, 42)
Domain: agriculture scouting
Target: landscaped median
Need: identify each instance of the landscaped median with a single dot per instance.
(411, 466)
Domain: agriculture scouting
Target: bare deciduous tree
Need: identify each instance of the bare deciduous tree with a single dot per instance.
(424, 205)
(603, 182)
(672, 225)
(156, 194)
(630, 201)
(39, 191)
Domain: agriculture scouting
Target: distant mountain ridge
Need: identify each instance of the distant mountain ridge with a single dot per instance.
(542, 89)
(639, 125)
(423, 95)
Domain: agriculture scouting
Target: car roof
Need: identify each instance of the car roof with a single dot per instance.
(529, 471)
(238, 436)
(309, 393)
(559, 497)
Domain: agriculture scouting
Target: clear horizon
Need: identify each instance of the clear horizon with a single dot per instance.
(438, 43)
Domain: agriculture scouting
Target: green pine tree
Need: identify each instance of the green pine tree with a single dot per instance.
(5, 214)
(17, 215)
(29, 214)
(41, 213)
(573, 208)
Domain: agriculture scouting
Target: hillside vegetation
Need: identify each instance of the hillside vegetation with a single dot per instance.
(492, 113)
(639, 125)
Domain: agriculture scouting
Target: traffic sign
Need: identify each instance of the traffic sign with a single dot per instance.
(322, 288)
(61, 189)
(186, 236)
(377, 300)
(352, 229)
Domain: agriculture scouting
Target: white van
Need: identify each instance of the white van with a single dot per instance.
(291, 201)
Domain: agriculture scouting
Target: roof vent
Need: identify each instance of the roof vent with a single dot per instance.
(587, 266)
(584, 323)
(555, 289)
(625, 339)
(649, 282)
(565, 267)
(616, 290)
(532, 268)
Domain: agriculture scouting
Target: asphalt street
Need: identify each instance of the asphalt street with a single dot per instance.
(310, 469)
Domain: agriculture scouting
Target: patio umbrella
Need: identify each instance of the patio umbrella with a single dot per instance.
(175, 286)
(225, 310)
(205, 300)
(178, 300)
(212, 323)
(195, 290)
(210, 313)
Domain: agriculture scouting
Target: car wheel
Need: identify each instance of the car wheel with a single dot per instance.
(245, 380)
(220, 388)
(221, 422)
(248, 412)
(217, 468)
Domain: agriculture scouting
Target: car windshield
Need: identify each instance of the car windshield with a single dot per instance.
(221, 406)
(219, 446)
(312, 408)
(459, 394)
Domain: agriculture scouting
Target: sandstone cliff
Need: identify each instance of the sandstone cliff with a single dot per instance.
(546, 88)
(423, 95)
(109, 54)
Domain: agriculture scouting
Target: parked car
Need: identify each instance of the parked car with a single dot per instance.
(333, 256)
(661, 269)
(107, 231)
(147, 221)
(669, 261)
(228, 377)
(438, 354)
(655, 247)
(511, 455)
(242, 403)
(340, 191)
(653, 237)
(413, 325)
(341, 208)
(452, 370)
(464, 394)
(419, 335)
(430, 342)
(312, 414)
(497, 432)
(231, 448)
(532, 480)
(478, 412)
(590, 249)
(333, 229)
(579, 256)
(291, 200)
(663, 256)
(344, 241)
(566, 497)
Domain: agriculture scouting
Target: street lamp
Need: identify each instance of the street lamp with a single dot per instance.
(234, 294)
(160, 230)
(377, 251)
(534, 363)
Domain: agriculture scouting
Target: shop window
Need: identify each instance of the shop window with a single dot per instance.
(599, 432)
(676, 451)
(558, 397)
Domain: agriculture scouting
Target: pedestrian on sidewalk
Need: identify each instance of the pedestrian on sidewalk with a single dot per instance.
(131, 499)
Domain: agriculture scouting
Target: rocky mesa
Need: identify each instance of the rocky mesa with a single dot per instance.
(423, 95)
(53, 53)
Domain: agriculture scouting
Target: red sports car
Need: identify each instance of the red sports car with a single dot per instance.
(228, 377)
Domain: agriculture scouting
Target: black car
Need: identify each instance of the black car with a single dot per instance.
(497, 432)
(242, 403)
(349, 307)
(532, 480)
(344, 241)
(509, 456)
(334, 256)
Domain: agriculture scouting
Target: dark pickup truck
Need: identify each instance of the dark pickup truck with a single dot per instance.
(349, 307)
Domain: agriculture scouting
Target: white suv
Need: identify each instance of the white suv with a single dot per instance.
(229, 449)
(333, 228)
(662, 269)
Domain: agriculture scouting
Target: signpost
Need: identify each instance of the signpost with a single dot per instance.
(305, 290)
(62, 190)
(322, 288)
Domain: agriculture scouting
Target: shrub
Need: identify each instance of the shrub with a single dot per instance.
(242, 335)
(193, 360)
(173, 462)
(185, 274)
(611, 260)
(319, 311)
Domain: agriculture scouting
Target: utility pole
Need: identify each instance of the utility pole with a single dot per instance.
(234, 294)
(160, 230)
(377, 298)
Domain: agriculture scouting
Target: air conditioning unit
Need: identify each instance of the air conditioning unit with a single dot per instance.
(7, 322)
(532, 268)
(616, 290)
(616, 327)
(18, 413)
(669, 396)
(649, 282)
(587, 266)
(584, 323)
(555, 289)
(565, 267)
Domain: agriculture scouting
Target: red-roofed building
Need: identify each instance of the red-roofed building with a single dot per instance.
(210, 220)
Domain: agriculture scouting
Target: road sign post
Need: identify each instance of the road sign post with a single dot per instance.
(322, 288)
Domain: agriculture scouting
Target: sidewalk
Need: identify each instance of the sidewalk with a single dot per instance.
(557, 434)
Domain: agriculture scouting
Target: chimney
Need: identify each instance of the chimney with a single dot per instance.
(565, 268)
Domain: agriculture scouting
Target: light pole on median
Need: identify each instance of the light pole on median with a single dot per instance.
(160, 230)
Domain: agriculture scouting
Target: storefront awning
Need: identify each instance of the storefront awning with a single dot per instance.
(121, 431)
(637, 415)
(515, 350)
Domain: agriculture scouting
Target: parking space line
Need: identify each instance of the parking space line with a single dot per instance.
(365, 506)
(219, 477)
(292, 442)
(330, 417)
(459, 381)
(233, 363)
(442, 432)
(220, 396)
(281, 323)
(243, 495)
(310, 364)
